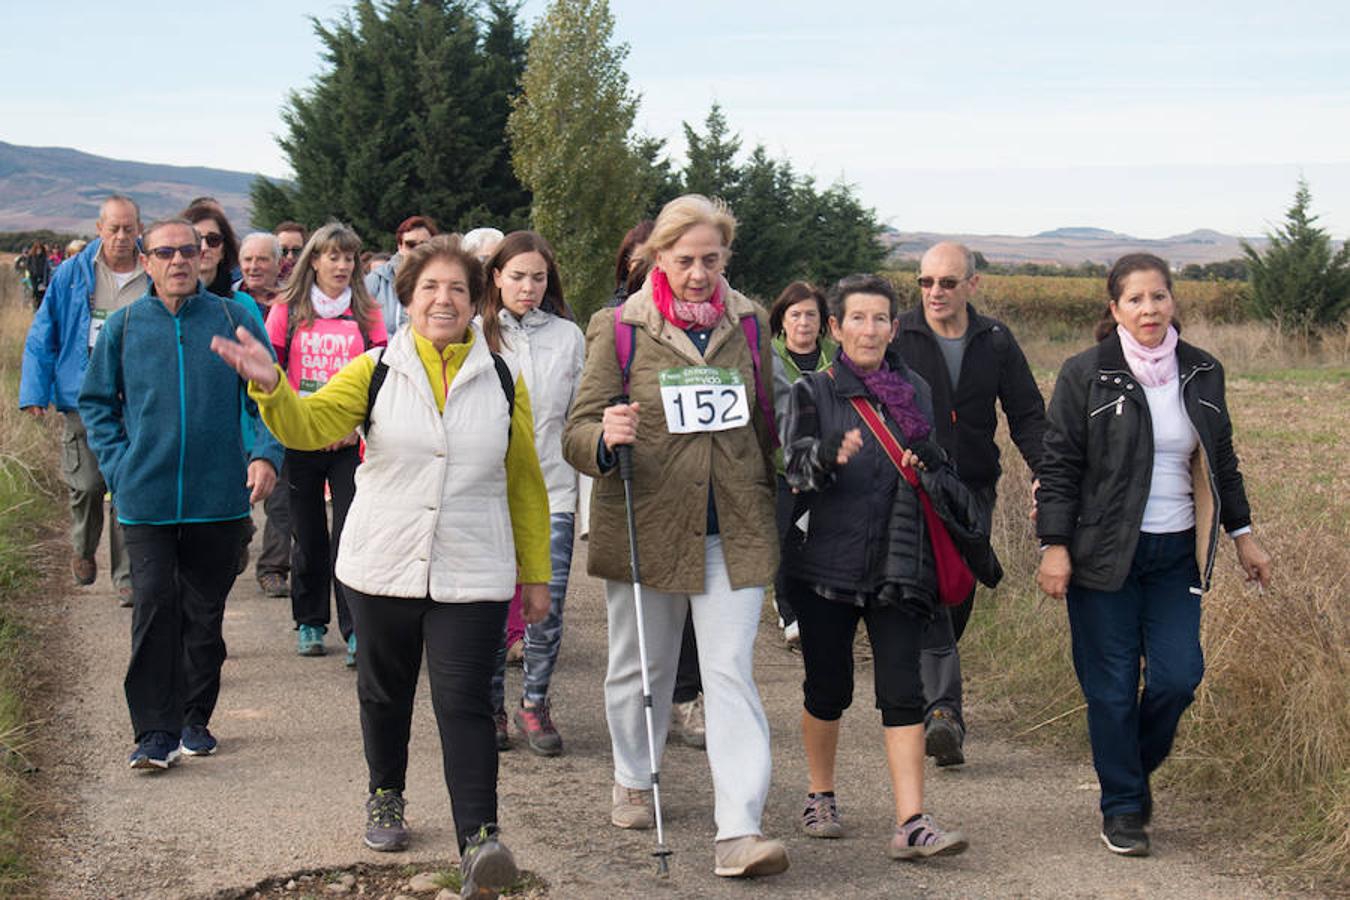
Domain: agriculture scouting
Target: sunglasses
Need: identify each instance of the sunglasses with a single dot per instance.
(189, 251)
(948, 284)
(213, 240)
(292, 251)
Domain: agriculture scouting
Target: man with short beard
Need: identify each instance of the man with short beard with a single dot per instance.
(84, 291)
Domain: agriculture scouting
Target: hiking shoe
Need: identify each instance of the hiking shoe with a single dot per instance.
(309, 641)
(1125, 834)
(921, 837)
(125, 597)
(632, 808)
(350, 661)
(748, 855)
(792, 636)
(515, 654)
(386, 830)
(197, 740)
(536, 723)
(155, 750)
(486, 866)
(84, 570)
(820, 818)
(503, 736)
(273, 584)
(943, 737)
(686, 724)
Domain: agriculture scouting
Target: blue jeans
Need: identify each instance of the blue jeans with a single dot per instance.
(1156, 615)
(543, 640)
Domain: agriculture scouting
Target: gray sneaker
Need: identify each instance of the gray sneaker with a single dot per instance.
(820, 818)
(921, 837)
(486, 866)
(386, 831)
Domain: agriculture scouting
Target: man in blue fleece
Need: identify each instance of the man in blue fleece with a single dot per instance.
(163, 417)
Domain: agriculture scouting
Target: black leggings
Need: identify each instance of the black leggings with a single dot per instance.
(827, 630)
(461, 641)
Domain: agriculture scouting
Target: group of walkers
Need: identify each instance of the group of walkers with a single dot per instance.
(466, 432)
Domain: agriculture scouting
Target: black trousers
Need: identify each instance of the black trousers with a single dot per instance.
(827, 629)
(784, 505)
(688, 677)
(314, 552)
(180, 576)
(461, 641)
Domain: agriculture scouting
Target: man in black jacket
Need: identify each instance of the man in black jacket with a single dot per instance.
(970, 361)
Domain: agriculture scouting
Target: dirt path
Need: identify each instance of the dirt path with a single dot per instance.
(285, 792)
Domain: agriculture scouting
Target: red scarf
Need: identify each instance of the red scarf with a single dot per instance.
(685, 315)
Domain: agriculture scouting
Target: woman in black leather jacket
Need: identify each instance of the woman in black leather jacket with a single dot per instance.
(865, 555)
(1137, 477)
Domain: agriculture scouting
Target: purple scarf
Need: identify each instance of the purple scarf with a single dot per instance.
(896, 394)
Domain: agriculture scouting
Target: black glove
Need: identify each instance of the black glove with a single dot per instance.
(828, 451)
(930, 454)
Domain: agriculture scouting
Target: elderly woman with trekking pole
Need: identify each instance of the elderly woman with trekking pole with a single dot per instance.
(450, 512)
(680, 374)
(1139, 475)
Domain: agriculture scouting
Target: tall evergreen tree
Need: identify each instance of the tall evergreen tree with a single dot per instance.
(569, 143)
(1299, 281)
(710, 158)
(408, 117)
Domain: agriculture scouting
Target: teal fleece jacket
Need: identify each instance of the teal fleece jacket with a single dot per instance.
(163, 412)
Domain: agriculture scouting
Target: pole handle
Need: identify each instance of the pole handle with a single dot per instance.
(624, 452)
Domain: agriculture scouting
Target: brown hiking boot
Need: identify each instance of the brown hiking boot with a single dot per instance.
(751, 854)
(686, 724)
(632, 808)
(84, 570)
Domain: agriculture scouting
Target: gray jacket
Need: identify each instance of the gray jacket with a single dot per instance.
(380, 286)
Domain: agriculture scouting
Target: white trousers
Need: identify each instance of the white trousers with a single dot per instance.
(725, 621)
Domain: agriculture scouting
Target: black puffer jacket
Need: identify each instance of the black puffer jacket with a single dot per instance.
(1098, 463)
(865, 533)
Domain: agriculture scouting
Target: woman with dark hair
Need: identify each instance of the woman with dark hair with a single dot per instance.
(451, 511)
(220, 251)
(39, 270)
(801, 344)
(628, 260)
(1139, 475)
(322, 320)
(525, 306)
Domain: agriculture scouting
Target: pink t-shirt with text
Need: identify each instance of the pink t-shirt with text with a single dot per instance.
(319, 350)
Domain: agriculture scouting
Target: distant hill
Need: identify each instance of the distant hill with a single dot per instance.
(1071, 246)
(60, 188)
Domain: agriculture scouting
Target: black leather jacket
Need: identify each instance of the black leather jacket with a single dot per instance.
(1098, 462)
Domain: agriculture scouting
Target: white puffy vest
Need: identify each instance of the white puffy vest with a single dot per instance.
(430, 514)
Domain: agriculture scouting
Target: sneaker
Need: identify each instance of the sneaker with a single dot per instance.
(84, 570)
(350, 661)
(686, 724)
(197, 740)
(515, 654)
(921, 837)
(792, 636)
(632, 808)
(537, 725)
(125, 597)
(943, 737)
(486, 866)
(820, 818)
(751, 854)
(1125, 834)
(503, 736)
(386, 830)
(273, 584)
(309, 641)
(155, 750)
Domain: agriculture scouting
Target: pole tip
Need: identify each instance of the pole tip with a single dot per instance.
(662, 854)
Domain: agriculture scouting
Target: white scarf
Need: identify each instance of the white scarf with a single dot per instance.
(329, 307)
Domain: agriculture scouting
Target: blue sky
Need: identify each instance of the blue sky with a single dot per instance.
(1149, 118)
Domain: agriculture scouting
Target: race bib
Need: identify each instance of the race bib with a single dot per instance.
(703, 398)
(96, 319)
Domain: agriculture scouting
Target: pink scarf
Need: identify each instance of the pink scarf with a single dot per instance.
(1153, 366)
(681, 314)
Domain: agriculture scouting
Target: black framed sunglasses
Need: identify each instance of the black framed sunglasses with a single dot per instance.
(213, 240)
(948, 283)
(292, 251)
(189, 251)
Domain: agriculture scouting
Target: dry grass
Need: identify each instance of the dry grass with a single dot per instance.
(1269, 733)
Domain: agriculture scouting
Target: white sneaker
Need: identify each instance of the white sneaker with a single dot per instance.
(792, 635)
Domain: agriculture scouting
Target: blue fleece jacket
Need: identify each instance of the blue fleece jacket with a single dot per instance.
(163, 412)
(57, 349)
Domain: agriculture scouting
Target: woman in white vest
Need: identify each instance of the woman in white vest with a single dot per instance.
(451, 511)
(543, 344)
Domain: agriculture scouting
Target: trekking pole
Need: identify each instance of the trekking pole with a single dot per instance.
(625, 455)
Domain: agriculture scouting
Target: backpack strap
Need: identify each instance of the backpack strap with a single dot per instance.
(508, 387)
(376, 382)
(624, 341)
(750, 327)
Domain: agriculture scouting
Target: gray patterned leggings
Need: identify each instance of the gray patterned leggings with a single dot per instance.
(542, 640)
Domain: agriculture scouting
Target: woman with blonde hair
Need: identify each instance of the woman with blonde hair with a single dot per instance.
(322, 320)
(691, 359)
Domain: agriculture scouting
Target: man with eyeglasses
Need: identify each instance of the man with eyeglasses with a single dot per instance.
(970, 361)
(291, 237)
(164, 418)
(411, 231)
(85, 290)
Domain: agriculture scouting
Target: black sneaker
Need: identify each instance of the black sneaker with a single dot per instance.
(197, 740)
(486, 866)
(943, 737)
(155, 750)
(1125, 834)
(386, 831)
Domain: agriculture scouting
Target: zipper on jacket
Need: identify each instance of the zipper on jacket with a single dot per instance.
(182, 413)
(1118, 403)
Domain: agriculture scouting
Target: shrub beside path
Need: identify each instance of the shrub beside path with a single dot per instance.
(285, 792)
